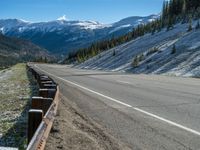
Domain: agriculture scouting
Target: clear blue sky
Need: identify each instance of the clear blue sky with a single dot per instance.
(104, 11)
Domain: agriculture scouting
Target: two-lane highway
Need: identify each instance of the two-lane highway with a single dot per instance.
(145, 111)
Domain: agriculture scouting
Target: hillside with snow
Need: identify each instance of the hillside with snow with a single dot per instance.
(62, 36)
(156, 54)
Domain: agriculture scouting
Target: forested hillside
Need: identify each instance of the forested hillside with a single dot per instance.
(13, 50)
(174, 11)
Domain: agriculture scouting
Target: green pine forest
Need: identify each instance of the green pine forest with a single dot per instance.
(173, 11)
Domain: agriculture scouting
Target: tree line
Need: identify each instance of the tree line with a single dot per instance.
(173, 11)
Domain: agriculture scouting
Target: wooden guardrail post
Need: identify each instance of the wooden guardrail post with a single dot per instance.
(47, 93)
(42, 112)
(34, 119)
(49, 86)
(45, 82)
(44, 78)
(41, 103)
(37, 77)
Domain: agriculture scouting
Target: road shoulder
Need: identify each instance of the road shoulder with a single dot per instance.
(73, 130)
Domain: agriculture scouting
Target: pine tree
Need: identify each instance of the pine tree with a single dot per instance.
(197, 26)
(183, 12)
(141, 57)
(170, 24)
(190, 25)
(135, 62)
(45, 60)
(173, 49)
(114, 53)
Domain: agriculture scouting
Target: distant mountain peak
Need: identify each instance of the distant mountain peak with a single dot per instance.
(62, 18)
(22, 20)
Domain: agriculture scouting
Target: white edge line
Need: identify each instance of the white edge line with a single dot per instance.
(127, 105)
(123, 82)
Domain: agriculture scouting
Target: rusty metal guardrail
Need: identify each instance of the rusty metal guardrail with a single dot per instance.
(43, 111)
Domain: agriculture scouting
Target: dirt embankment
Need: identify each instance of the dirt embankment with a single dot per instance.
(74, 131)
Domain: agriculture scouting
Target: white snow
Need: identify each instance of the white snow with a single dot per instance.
(25, 21)
(62, 18)
(185, 62)
(4, 74)
(120, 27)
(21, 29)
(195, 45)
(2, 30)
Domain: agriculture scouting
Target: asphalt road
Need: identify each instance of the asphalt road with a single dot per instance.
(143, 111)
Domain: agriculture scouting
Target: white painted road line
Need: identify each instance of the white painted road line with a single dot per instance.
(124, 104)
(125, 82)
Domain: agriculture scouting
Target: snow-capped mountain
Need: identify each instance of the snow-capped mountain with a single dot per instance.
(61, 36)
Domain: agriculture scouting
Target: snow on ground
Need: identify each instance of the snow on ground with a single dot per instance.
(185, 62)
(16, 89)
(4, 74)
(118, 28)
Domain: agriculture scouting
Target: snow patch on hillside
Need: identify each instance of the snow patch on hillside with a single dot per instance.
(120, 27)
(185, 62)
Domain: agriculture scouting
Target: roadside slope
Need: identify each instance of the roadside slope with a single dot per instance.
(155, 52)
(74, 130)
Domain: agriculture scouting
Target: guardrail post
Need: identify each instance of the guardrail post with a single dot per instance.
(41, 103)
(44, 78)
(37, 77)
(45, 82)
(47, 93)
(49, 86)
(34, 119)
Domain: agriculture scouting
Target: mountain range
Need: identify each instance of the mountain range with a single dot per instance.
(62, 36)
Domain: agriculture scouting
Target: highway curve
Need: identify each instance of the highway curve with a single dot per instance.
(128, 111)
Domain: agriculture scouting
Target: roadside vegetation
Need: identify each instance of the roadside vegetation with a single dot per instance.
(17, 87)
(174, 11)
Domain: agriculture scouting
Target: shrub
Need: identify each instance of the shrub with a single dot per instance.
(152, 50)
(135, 62)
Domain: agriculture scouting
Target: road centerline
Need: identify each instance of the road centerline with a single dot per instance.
(125, 104)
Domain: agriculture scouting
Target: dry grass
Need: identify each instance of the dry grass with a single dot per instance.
(16, 86)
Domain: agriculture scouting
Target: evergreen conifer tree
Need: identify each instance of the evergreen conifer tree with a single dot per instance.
(173, 49)
(190, 25)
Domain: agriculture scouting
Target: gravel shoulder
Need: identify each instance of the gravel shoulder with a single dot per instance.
(73, 130)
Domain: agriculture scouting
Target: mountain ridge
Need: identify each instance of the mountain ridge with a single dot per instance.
(62, 36)
(13, 50)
